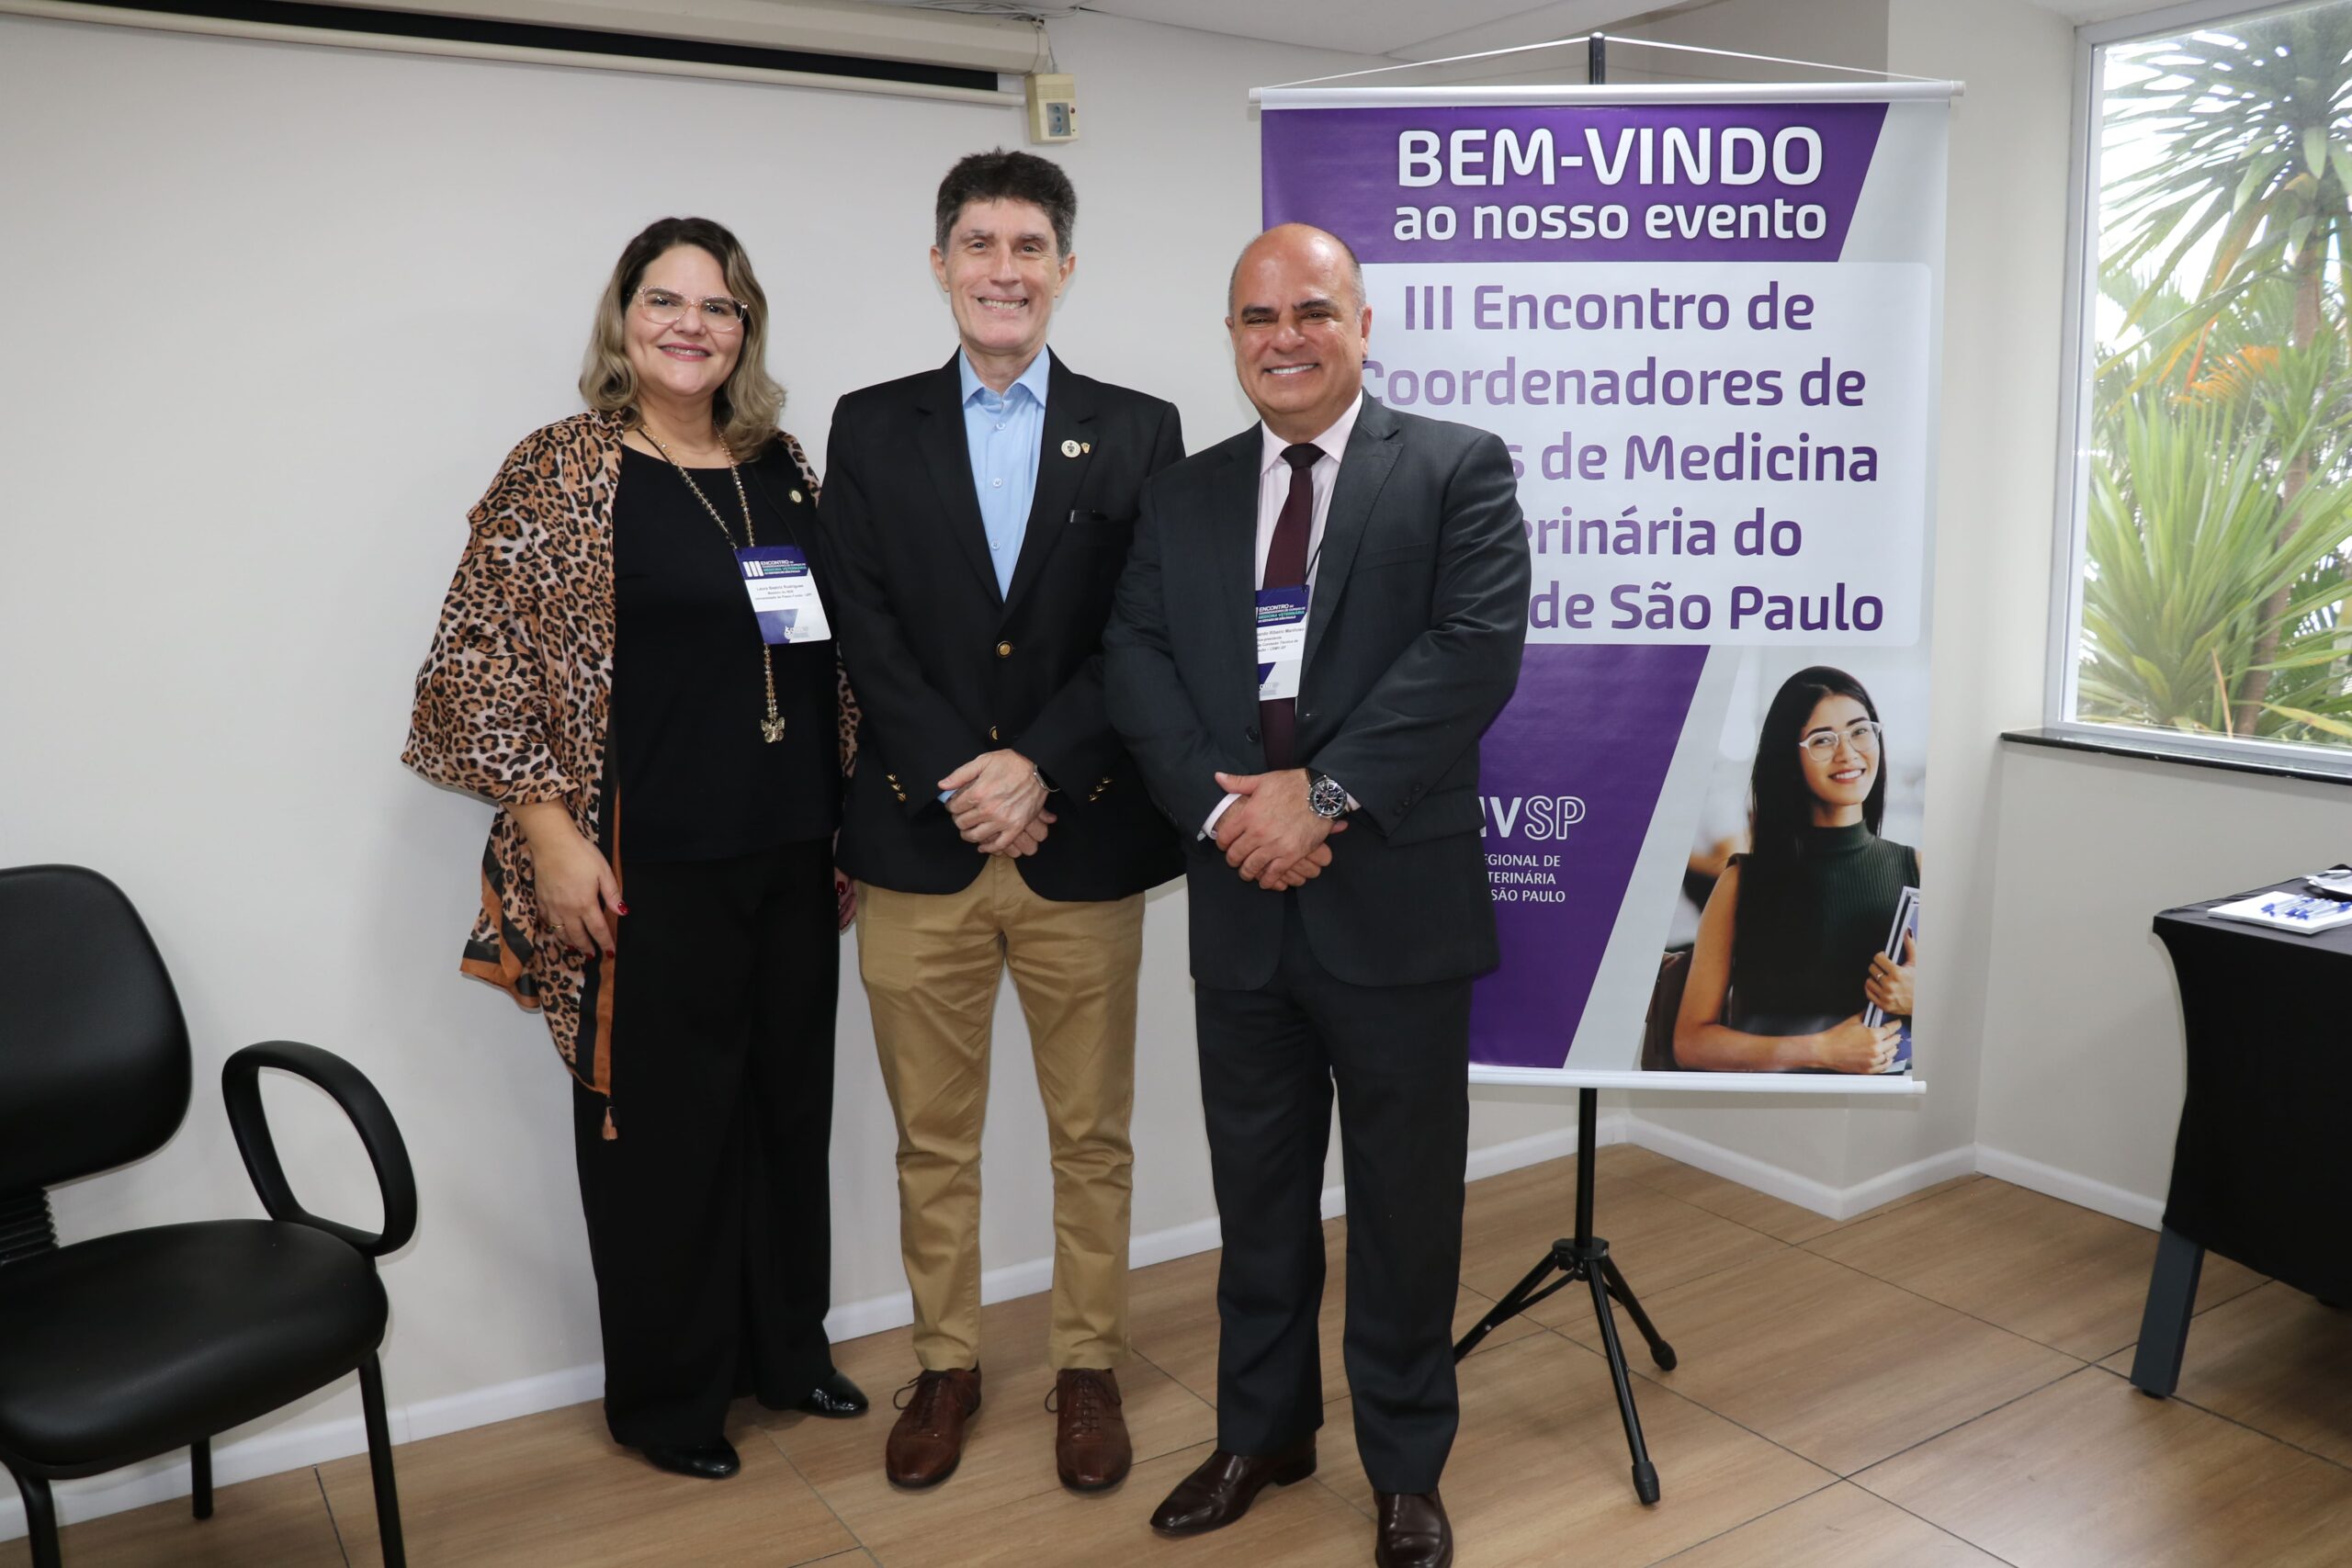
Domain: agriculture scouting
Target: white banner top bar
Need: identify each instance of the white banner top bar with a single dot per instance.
(1610, 93)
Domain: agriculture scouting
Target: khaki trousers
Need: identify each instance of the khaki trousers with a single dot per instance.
(930, 963)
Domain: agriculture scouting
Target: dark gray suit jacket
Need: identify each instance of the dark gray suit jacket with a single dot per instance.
(1412, 646)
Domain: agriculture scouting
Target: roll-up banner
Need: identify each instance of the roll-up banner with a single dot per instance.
(1707, 322)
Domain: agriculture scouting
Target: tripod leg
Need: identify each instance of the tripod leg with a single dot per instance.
(1645, 1472)
(1661, 1351)
(1514, 1302)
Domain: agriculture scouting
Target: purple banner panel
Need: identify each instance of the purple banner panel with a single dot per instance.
(1581, 182)
(1570, 775)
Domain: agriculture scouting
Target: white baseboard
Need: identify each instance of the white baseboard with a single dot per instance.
(1495, 1158)
(166, 1477)
(1903, 1180)
(1844, 1203)
(292, 1447)
(1835, 1203)
(316, 1442)
(2070, 1188)
(270, 1452)
(852, 1320)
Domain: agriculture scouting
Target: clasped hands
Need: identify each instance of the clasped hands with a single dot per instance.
(999, 804)
(1270, 834)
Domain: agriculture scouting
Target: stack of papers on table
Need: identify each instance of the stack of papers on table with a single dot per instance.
(2335, 882)
(2287, 910)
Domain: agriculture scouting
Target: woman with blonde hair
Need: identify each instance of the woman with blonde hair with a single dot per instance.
(632, 665)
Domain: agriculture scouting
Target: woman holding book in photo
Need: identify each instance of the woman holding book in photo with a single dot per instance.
(1792, 945)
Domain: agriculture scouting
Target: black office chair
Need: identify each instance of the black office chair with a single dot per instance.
(131, 1345)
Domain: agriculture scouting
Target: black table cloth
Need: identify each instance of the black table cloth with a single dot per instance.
(2262, 1168)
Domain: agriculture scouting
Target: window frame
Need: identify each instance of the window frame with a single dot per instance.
(2076, 322)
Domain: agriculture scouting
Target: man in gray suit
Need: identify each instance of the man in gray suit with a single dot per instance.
(1328, 792)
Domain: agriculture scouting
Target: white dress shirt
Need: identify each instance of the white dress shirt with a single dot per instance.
(1273, 490)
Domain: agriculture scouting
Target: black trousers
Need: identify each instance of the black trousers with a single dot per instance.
(710, 1217)
(1399, 1058)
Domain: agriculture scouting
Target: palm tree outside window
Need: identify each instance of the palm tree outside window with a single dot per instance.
(2214, 596)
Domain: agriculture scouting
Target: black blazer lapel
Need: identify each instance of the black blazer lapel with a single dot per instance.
(1372, 447)
(1230, 541)
(948, 457)
(1069, 428)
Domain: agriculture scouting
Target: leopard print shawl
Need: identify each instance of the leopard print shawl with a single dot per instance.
(514, 699)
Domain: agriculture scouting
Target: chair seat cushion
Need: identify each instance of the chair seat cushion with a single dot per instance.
(136, 1343)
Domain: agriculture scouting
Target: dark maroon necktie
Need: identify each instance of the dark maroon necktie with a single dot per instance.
(1286, 567)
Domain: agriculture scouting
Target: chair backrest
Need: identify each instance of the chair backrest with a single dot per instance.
(94, 1058)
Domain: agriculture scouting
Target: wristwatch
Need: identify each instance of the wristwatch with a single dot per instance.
(1326, 797)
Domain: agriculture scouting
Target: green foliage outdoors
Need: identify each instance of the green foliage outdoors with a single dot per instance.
(2219, 559)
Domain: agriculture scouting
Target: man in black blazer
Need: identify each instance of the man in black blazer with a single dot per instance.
(974, 521)
(1338, 887)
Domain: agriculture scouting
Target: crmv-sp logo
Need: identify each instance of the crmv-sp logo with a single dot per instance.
(1535, 817)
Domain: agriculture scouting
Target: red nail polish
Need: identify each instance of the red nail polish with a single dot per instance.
(620, 908)
(610, 954)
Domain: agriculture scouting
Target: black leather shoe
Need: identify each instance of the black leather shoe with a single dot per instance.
(1222, 1489)
(703, 1461)
(836, 1397)
(1413, 1532)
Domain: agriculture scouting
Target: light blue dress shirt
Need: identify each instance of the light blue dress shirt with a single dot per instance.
(1001, 435)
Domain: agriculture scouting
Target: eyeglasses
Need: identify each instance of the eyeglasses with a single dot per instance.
(718, 313)
(1862, 734)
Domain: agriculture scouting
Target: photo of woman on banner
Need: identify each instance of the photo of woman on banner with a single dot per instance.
(1800, 964)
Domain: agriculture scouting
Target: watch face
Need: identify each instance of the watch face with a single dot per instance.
(1327, 798)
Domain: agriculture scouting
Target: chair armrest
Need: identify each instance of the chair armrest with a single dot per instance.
(348, 1087)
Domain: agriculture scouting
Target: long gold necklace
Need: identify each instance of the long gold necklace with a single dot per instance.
(771, 727)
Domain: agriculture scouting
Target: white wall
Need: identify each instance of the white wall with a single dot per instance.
(2053, 1045)
(2002, 280)
(307, 298)
(2084, 1067)
(1832, 32)
(303, 302)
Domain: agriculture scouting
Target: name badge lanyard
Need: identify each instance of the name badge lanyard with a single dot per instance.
(771, 727)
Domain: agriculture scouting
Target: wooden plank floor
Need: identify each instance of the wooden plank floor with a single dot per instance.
(1938, 1384)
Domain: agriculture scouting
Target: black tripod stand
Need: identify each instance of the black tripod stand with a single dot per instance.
(1586, 1257)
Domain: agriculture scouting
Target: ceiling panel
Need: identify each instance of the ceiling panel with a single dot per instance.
(1418, 29)
(1361, 26)
(1568, 19)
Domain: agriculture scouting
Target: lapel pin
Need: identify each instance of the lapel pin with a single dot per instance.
(1087, 446)
(796, 498)
(1071, 448)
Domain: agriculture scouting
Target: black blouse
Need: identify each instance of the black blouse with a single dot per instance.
(696, 780)
(1806, 929)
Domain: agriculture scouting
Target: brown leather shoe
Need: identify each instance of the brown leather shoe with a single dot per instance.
(1091, 1447)
(1225, 1486)
(927, 1439)
(1414, 1531)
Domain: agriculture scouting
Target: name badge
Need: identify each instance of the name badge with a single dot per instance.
(784, 594)
(1282, 641)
